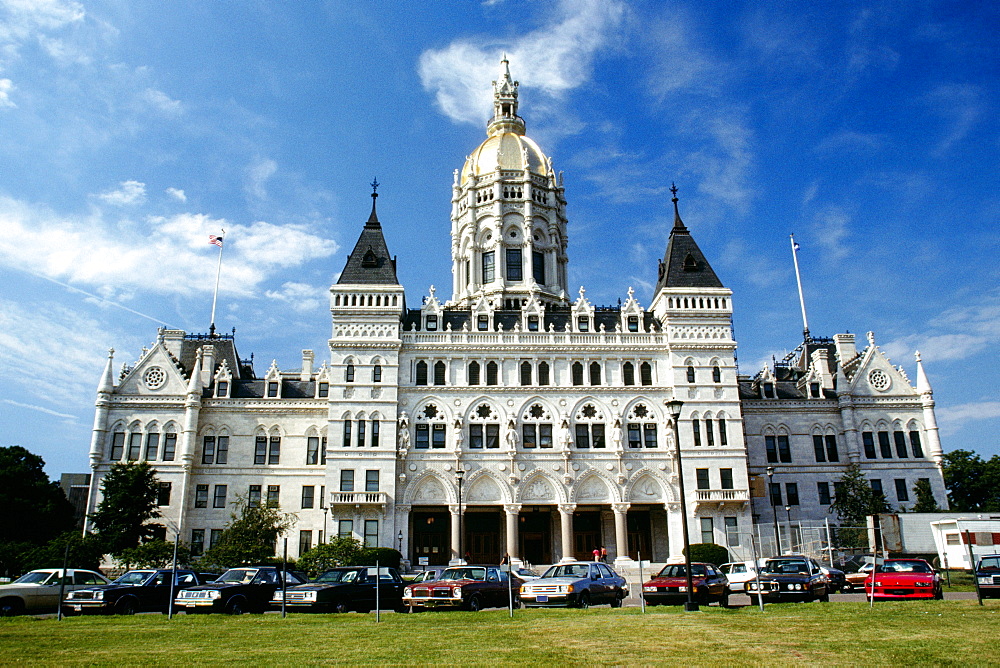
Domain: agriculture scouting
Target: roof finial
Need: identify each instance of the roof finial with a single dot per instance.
(678, 224)
(373, 218)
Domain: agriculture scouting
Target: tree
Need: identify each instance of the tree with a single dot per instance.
(973, 483)
(709, 553)
(129, 501)
(33, 509)
(342, 551)
(855, 500)
(250, 537)
(155, 554)
(925, 503)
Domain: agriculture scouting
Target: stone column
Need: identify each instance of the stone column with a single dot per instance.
(621, 532)
(675, 530)
(403, 524)
(456, 554)
(566, 526)
(512, 511)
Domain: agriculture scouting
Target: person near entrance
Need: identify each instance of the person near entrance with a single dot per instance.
(604, 554)
(597, 554)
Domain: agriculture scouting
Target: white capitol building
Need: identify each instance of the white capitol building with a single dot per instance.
(546, 413)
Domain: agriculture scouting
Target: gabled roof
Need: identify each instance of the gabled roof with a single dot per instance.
(370, 263)
(684, 265)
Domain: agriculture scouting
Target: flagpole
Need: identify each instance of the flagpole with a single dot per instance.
(218, 273)
(798, 281)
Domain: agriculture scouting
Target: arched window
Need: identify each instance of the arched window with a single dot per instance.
(473, 373)
(525, 373)
(577, 373)
(421, 373)
(595, 373)
(628, 374)
(716, 374)
(349, 373)
(377, 373)
(543, 373)
(439, 373)
(491, 373)
(690, 374)
(646, 373)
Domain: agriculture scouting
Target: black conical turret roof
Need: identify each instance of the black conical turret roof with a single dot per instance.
(684, 265)
(370, 263)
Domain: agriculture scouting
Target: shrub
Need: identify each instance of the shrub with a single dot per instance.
(338, 552)
(709, 553)
(386, 556)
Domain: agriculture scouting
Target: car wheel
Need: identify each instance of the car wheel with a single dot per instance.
(825, 598)
(938, 594)
(584, 602)
(517, 603)
(237, 606)
(616, 602)
(11, 606)
(127, 605)
(724, 599)
(474, 605)
(412, 609)
(754, 599)
(340, 607)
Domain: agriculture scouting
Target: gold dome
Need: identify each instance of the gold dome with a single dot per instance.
(505, 151)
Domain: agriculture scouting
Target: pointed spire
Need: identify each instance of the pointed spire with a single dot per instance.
(923, 384)
(194, 383)
(505, 118)
(370, 262)
(107, 383)
(373, 218)
(684, 265)
(678, 223)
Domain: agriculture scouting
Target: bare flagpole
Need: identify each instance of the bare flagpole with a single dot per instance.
(218, 241)
(798, 280)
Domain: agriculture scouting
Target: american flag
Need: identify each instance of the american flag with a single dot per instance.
(214, 240)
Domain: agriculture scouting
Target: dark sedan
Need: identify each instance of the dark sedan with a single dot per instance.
(988, 576)
(237, 591)
(790, 579)
(669, 586)
(464, 587)
(135, 591)
(343, 590)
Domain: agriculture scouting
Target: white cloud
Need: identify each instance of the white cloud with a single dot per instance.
(6, 86)
(129, 193)
(40, 409)
(960, 106)
(952, 418)
(831, 227)
(956, 333)
(755, 267)
(162, 102)
(258, 174)
(177, 194)
(300, 296)
(551, 59)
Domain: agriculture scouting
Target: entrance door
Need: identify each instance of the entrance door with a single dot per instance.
(535, 529)
(586, 534)
(483, 539)
(431, 537)
(639, 540)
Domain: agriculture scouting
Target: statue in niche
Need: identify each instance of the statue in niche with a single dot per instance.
(459, 434)
(403, 439)
(565, 437)
(511, 436)
(616, 434)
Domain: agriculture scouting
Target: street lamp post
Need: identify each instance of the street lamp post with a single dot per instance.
(459, 475)
(788, 515)
(674, 407)
(400, 537)
(774, 510)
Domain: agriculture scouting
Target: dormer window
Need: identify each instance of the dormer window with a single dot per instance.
(769, 390)
(272, 389)
(432, 323)
(368, 260)
(222, 389)
(324, 390)
(583, 323)
(814, 391)
(633, 323)
(483, 323)
(690, 264)
(532, 323)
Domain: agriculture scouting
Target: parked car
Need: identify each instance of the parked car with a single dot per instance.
(466, 587)
(38, 591)
(836, 577)
(145, 590)
(904, 578)
(790, 579)
(576, 584)
(856, 580)
(343, 590)
(237, 591)
(738, 573)
(988, 575)
(428, 575)
(526, 574)
(669, 586)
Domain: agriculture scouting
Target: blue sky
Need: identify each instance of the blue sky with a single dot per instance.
(131, 130)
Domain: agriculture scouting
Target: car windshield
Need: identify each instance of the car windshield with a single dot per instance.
(679, 571)
(786, 567)
(36, 577)
(133, 578)
(990, 564)
(244, 575)
(463, 574)
(905, 567)
(527, 572)
(338, 576)
(568, 571)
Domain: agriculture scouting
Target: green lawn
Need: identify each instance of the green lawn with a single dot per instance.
(905, 633)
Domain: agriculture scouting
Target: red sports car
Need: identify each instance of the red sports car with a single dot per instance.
(904, 578)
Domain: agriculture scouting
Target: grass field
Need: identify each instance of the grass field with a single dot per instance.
(910, 633)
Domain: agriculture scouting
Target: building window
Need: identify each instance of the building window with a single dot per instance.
(831, 448)
(491, 373)
(532, 323)
(349, 374)
(260, 451)
(377, 373)
(483, 323)
(514, 261)
(583, 323)
(577, 373)
(371, 481)
(222, 388)
(152, 445)
(525, 373)
(538, 267)
(305, 541)
(709, 432)
(590, 435)
(915, 444)
(536, 435)
(439, 373)
(361, 433)
(902, 493)
(628, 374)
(877, 487)
(723, 436)
(634, 435)
(432, 323)
(696, 431)
(690, 374)
(769, 390)
(272, 389)
(701, 475)
(814, 390)
(792, 493)
(253, 496)
(775, 489)
(867, 438)
(345, 529)
(219, 499)
(169, 447)
(308, 496)
(197, 542)
(201, 496)
(900, 439)
(214, 536)
(838, 489)
(771, 449)
(726, 478)
(324, 390)
(716, 374)
(818, 448)
(163, 494)
(473, 373)
(732, 531)
(438, 436)
(484, 435)
(649, 434)
(543, 373)
(489, 266)
(595, 373)
(222, 450)
(883, 445)
(784, 451)
(371, 533)
(375, 433)
(823, 490)
(208, 450)
(134, 446)
(347, 480)
(274, 451)
(312, 450)
(632, 323)
(421, 373)
(347, 434)
(707, 530)
(423, 437)
(646, 373)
